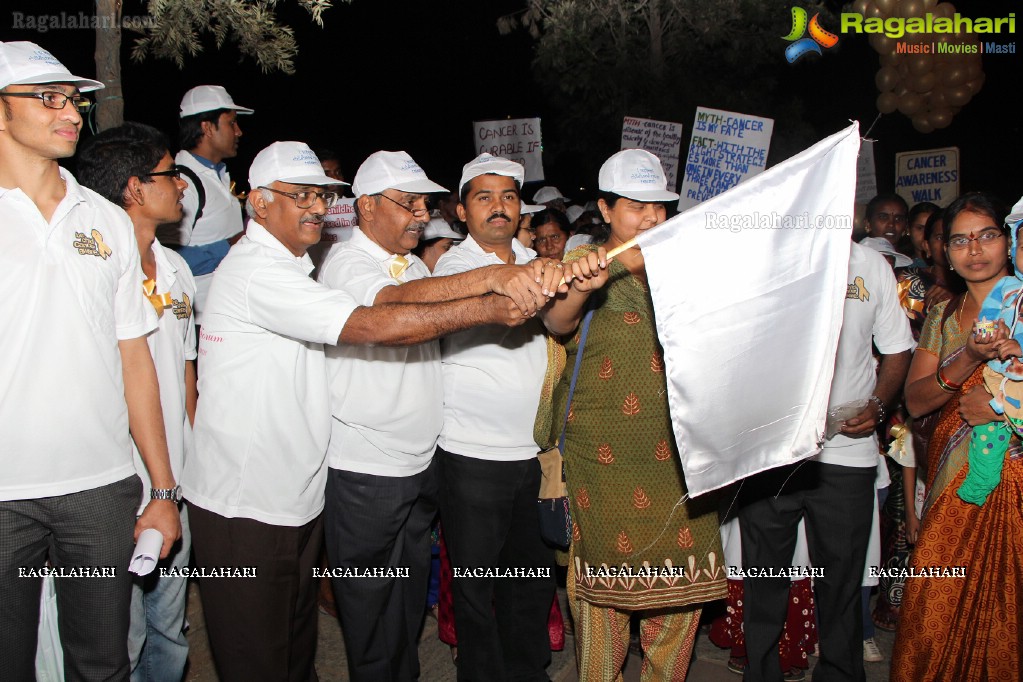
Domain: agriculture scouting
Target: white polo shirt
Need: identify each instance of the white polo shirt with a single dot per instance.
(221, 217)
(71, 290)
(387, 403)
(263, 419)
(872, 314)
(492, 374)
(172, 344)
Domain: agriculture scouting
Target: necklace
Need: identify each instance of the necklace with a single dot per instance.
(961, 306)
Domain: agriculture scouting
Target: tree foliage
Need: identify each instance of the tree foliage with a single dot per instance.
(600, 60)
(179, 27)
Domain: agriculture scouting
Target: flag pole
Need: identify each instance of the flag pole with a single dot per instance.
(613, 252)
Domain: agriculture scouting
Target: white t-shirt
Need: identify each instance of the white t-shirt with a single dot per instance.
(872, 313)
(71, 290)
(492, 374)
(172, 344)
(263, 420)
(387, 403)
(221, 217)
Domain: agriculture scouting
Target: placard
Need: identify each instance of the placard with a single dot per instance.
(928, 175)
(517, 139)
(663, 139)
(866, 173)
(725, 149)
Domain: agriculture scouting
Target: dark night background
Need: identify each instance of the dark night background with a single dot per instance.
(414, 75)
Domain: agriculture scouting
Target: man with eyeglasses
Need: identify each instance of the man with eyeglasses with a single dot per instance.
(131, 166)
(382, 481)
(77, 384)
(255, 484)
(208, 134)
(887, 217)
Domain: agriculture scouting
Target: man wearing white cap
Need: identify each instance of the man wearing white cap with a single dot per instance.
(208, 133)
(382, 484)
(75, 376)
(489, 468)
(255, 484)
(551, 197)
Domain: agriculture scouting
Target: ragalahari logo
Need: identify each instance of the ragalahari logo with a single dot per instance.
(802, 46)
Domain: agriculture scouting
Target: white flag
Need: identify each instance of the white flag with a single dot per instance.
(748, 291)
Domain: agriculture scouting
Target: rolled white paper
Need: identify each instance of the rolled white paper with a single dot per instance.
(147, 552)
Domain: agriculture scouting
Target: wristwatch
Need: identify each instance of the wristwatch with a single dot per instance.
(172, 494)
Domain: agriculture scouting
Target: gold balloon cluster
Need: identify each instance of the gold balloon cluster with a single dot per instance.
(929, 88)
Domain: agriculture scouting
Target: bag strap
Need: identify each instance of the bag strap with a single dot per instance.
(571, 386)
(199, 189)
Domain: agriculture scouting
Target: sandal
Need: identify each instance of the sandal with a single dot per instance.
(885, 618)
(737, 664)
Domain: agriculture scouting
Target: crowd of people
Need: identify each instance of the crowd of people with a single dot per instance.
(175, 360)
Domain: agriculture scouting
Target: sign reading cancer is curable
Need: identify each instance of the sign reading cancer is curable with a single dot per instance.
(928, 175)
(661, 138)
(517, 139)
(725, 149)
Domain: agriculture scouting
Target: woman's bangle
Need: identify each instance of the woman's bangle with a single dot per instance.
(944, 384)
(881, 412)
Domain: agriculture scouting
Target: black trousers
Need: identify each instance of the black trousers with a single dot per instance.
(262, 627)
(377, 522)
(489, 516)
(92, 529)
(837, 503)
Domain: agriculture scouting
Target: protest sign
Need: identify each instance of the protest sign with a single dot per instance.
(338, 224)
(866, 173)
(661, 138)
(725, 149)
(517, 139)
(928, 175)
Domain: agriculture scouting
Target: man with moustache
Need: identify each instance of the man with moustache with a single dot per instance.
(255, 484)
(208, 133)
(489, 469)
(77, 383)
(382, 485)
(131, 166)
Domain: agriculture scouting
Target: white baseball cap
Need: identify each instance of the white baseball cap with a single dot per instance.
(548, 193)
(526, 209)
(635, 174)
(25, 63)
(574, 212)
(485, 164)
(438, 228)
(204, 98)
(392, 170)
(1016, 214)
(292, 162)
(885, 248)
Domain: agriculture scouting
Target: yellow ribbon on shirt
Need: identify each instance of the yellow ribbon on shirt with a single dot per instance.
(159, 301)
(398, 266)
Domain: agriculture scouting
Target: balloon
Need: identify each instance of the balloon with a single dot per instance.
(910, 8)
(976, 84)
(940, 118)
(901, 89)
(974, 68)
(911, 103)
(882, 43)
(959, 96)
(860, 7)
(944, 9)
(903, 69)
(939, 99)
(887, 7)
(873, 12)
(886, 78)
(929, 5)
(890, 59)
(887, 102)
(920, 64)
(925, 82)
(956, 76)
(922, 123)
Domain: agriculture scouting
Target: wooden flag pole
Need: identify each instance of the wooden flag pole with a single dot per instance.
(612, 253)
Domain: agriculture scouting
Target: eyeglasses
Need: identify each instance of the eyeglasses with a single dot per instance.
(417, 212)
(174, 172)
(987, 236)
(897, 218)
(55, 100)
(307, 199)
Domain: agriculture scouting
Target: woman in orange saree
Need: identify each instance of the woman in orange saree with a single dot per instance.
(961, 621)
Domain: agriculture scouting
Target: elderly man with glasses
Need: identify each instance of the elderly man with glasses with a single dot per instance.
(76, 377)
(255, 484)
(382, 482)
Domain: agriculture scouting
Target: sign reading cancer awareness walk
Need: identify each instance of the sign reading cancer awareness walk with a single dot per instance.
(517, 139)
(928, 175)
(725, 149)
(866, 173)
(661, 138)
(749, 368)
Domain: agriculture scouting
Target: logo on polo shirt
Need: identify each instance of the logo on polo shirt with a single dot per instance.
(858, 290)
(92, 246)
(183, 308)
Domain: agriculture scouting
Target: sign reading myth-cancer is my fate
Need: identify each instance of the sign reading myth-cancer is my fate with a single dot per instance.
(517, 139)
(661, 138)
(725, 149)
(928, 175)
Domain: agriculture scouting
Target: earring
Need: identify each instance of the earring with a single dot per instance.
(951, 267)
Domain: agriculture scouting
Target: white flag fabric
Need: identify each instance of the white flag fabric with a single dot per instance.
(748, 291)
